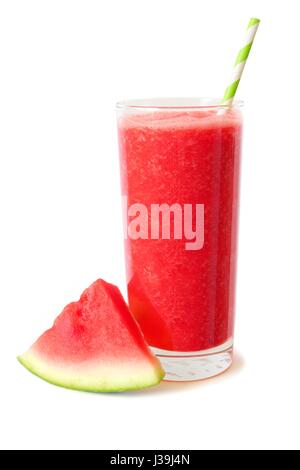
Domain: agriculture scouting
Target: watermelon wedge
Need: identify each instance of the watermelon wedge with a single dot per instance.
(95, 345)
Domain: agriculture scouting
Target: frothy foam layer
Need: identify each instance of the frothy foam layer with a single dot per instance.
(182, 119)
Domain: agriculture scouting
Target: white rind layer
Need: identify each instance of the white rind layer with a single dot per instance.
(95, 376)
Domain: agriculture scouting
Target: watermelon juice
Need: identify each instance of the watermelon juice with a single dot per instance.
(180, 176)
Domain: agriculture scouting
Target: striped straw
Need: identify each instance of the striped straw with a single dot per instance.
(241, 62)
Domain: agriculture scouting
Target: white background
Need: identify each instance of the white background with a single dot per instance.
(64, 64)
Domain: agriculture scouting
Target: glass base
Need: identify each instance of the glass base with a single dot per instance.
(196, 365)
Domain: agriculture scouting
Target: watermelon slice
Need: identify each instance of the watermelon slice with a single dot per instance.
(95, 345)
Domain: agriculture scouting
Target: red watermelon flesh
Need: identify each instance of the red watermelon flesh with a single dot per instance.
(95, 345)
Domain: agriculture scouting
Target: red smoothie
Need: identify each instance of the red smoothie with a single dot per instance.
(182, 298)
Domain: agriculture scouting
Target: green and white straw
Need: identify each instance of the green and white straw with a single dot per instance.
(241, 62)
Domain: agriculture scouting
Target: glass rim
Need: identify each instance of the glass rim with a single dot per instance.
(176, 104)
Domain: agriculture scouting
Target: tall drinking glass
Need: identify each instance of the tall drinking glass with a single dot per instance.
(180, 161)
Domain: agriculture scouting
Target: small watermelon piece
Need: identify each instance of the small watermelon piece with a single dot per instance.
(95, 345)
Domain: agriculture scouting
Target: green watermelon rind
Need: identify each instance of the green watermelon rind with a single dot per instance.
(125, 378)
